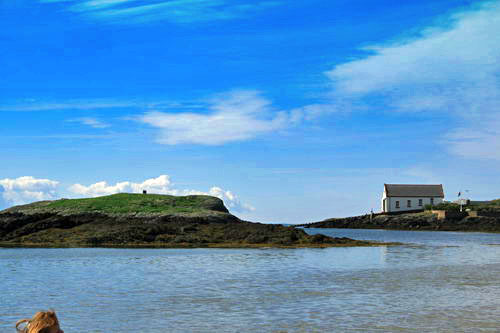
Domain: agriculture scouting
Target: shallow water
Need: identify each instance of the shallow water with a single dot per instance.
(439, 282)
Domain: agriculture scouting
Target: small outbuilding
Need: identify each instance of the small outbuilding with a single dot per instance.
(410, 197)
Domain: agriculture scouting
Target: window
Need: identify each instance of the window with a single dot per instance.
(408, 204)
(397, 204)
(420, 203)
(432, 201)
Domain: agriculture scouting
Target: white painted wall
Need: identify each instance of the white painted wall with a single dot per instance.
(403, 203)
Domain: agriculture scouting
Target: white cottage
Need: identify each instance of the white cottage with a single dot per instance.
(405, 197)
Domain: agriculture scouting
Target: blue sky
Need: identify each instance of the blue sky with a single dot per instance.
(289, 111)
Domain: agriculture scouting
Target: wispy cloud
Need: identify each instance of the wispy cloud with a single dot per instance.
(64, 136)
(452, 67)
(232, 116)
(35, 105)
(98, 4)
(92, 122)
(423, 174)
(93, 104)
(177, 11)
(480, 140)
(235, 116)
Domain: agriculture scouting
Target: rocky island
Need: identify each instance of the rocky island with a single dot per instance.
(147, 220)
(480, 217)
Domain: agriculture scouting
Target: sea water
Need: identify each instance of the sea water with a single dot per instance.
(436, 282)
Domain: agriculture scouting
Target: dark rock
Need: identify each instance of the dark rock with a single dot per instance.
(413, 221)
(95, 229)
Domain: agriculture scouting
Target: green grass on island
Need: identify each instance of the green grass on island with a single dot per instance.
(127, 203)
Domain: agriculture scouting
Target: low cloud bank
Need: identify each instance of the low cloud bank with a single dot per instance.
(159, 185)
(27, 189)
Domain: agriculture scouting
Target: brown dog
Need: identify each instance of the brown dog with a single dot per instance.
(42, 322)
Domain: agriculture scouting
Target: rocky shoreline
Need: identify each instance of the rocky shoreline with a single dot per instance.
(412, 221)
(42, 225)
(101, 230)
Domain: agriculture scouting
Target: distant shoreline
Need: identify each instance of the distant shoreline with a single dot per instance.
(422, 221)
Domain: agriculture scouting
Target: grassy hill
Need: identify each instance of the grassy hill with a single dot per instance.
(127, 203)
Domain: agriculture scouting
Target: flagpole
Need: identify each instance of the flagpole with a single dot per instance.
(459, 200)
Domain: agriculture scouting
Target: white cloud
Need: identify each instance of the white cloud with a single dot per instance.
(92, 122)
(27, 189)
(453, 67)
(434, 69)
(159, 185)
(235, 116)
(307, 112)
(230, 199)
(230, 117)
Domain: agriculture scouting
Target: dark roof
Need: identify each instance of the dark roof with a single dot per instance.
(408, 190)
